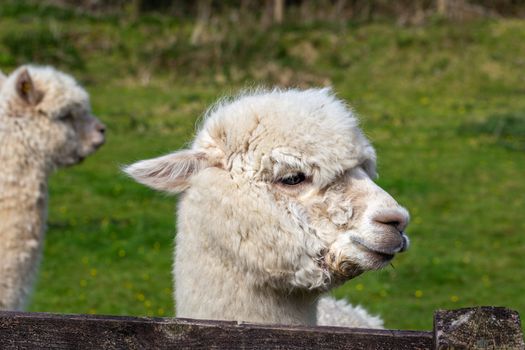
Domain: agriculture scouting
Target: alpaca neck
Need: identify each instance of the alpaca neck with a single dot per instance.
(210, 288)
(23, 196)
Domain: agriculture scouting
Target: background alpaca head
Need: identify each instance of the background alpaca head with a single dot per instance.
(279, 185)
(51, 114)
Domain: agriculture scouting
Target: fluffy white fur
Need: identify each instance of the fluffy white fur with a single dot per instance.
(45, 122)
(278, 207)
(332, 312)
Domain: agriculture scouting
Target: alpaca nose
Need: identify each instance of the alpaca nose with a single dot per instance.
(101, 128)
(97, 135)
(395, 218)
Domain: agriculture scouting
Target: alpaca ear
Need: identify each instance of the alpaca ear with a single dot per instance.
(26, 89)
(169, 173)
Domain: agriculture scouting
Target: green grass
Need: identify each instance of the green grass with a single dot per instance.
(443, 104)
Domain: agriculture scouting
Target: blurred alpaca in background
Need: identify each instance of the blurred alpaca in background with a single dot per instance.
(45, 123)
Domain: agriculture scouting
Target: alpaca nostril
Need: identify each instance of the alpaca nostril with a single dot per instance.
(392, 218)
(101, 128)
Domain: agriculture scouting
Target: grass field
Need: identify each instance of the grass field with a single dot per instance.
(443, 103)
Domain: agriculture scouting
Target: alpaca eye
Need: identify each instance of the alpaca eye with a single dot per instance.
(293, 179)
(66, 116)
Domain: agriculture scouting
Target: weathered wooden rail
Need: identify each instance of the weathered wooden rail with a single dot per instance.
(472, 328)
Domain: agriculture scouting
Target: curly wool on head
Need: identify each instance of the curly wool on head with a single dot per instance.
(45, 123)
(278, 206)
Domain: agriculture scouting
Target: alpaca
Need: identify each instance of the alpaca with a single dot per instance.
(45, 123)
(278, 206)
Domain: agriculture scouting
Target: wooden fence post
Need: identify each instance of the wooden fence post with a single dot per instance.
(484, 327)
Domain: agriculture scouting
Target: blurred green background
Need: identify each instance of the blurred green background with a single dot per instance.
(439, 85)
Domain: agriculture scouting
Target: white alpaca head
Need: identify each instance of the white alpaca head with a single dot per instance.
(51, 114)
(279, 185)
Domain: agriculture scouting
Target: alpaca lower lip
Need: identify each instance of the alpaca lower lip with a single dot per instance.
(385, 253)
(385, 256)
(382, 255)
(99, 144)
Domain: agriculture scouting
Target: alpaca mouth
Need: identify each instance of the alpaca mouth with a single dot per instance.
(384, 256)
(385, 253)
(98, 144)
(70, 161)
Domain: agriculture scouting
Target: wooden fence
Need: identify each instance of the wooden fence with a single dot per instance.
(471, 328)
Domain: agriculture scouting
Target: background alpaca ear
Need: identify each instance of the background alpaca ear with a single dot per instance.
(169, 173)
(26, 89)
